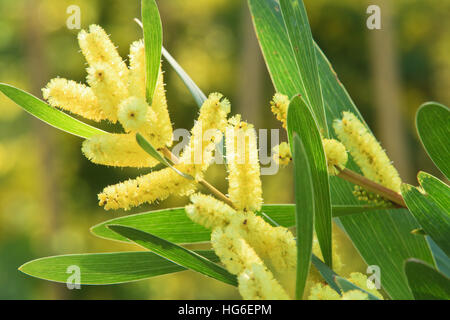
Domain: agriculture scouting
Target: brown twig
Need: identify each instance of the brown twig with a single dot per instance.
(371, 186)
(168, 154)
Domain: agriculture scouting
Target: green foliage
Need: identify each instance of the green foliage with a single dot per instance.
(302, 44)
(382, 239)
(426, 282)
(48, 114)
(433, 218)
(106, 268)
(179, 255)
(153, 44)
(300, 121)
(304, 213)
(432, 121)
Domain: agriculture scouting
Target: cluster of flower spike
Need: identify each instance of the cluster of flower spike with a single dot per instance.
(325, 292)
(116, 92)
(355, 138)
(243, 241)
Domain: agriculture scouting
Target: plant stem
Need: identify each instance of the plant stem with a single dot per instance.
(371, 186)
(168, 154)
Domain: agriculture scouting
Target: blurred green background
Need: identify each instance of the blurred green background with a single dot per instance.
(48, 190)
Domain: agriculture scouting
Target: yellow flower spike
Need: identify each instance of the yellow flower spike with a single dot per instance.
(276, 245)
(360, 280)
(98, 48)
(366, 151)
(73, 97)
(117, 150)
(280, 104)
(132, 113)
(258, 283)
(209, 212)
(109, 91)
(233, 251)
(207, 132)
(282, 154)
(244, 188)
(157, 185)
(323, 292)
(137, 78)
(354, 295)
(336, 155)
(162, 128)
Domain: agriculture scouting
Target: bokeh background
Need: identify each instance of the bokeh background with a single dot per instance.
(48, 190)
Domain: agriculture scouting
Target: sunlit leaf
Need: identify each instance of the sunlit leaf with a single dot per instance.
(48, 114)
(432, 122)
(179, 255)
(300, 121)
(153, 43)
(304, 217)
(105, 268)
(426, 282)
(302, 44)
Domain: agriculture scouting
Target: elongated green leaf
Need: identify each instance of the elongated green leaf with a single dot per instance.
(304, 213)
(195, 91)
(442, 261)
(173, 224)
(179, 255)
(105, 268)
(426, 282)
(300, 121)
(153, 44)
(325, 271)
(432, 122)
(144, 144)
(434, 219)
(346, 285)
(302, 44)
(48, 114)
(383, 238)
(437, 190)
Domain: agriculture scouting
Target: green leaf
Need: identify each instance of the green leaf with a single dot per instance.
(179, 255)
(195, 91)
(173, 224)
(432, 122)
(302, 44)
(153, 43)
(382, 238)
(426, 282)
(434, 219)
(48, 114)
(300, 121)
(105, 268)
(442, 261)
(436, 189)
(144, 144)
(304, 213)
(328, 274)
(346, 285)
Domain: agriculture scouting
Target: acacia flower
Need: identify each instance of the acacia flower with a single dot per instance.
(244, 181)
(276, 245)
(366, 151)
(255, 280)
(159, 185)
(325, 292)
(279, 106)
(336, 155)
(282, 154)
(114, 93)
